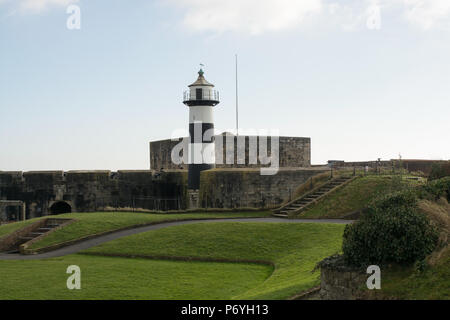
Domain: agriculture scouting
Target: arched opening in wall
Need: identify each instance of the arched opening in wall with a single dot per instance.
(60, 207)
(12, 213)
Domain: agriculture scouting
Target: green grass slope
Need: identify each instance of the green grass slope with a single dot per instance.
(120, 278)
(97, 222)
(354, 196)
(294, 249)
(6, 229)
(433, 283)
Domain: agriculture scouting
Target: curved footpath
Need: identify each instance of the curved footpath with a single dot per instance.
(119, 234)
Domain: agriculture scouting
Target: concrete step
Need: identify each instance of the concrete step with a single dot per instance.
(307, 200)
(280, 215)
(26, 238)
(51, 226)
(36, 234)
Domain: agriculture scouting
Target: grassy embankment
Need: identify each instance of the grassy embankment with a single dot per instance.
(98, 222)
(407, 283)
(355, 196)
(119, 278)
(293, 249)
(432, 280)
(290, 252)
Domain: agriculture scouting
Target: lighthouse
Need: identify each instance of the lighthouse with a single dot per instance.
(201, 99)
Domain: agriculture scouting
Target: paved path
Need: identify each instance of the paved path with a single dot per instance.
(119, 234)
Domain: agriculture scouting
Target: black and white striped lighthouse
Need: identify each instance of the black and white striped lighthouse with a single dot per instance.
(200, 98)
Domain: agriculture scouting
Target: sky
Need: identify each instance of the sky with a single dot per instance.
(363, 79)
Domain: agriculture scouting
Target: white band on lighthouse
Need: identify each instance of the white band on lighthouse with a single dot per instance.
(201, 113)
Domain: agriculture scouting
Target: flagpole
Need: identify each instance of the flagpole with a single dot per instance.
(237, 100)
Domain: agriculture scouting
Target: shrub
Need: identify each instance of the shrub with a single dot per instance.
(436, 189)
(392, 231)
(439, 170)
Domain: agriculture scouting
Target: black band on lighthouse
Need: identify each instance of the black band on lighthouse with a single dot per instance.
(197, 132)
(194, 171)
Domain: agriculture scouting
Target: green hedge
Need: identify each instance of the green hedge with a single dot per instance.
(435, 189)
(439, 170)
(392, 231)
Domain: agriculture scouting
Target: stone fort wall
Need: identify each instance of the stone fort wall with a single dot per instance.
(89, 191)
(411, 165)
(293, 152)
(86, 191)
(238, 188)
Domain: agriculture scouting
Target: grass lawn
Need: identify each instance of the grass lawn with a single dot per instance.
(97, 222)
(407, 283)
(294, 249)
(123, 278)
(6, 229)
(354, 196)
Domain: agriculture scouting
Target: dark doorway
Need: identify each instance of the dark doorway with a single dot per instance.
(12, 213)
(198, 94)
(60, 207)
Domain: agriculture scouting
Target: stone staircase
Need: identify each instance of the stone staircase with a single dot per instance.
(300, 204)
(39, 230)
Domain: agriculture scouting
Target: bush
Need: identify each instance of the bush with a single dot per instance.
(392, 231)
(439, 170)
(436, 189)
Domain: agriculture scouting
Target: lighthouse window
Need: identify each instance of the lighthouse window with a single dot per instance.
(198, 94)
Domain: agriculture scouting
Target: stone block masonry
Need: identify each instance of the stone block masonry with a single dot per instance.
(339, 281)
(293, 152)
(342, 284)
(51, 192)
(239, 188)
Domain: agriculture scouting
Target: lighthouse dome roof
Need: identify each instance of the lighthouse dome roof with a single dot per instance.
(201, 81)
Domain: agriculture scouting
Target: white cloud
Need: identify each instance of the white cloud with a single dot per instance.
(39, 5)
(427, 13)
(35, 6)
(250, 16)
(260, 16)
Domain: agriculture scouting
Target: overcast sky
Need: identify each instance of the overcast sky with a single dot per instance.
(363, 79)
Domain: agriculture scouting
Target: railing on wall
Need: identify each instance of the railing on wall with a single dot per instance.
(369, 170)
